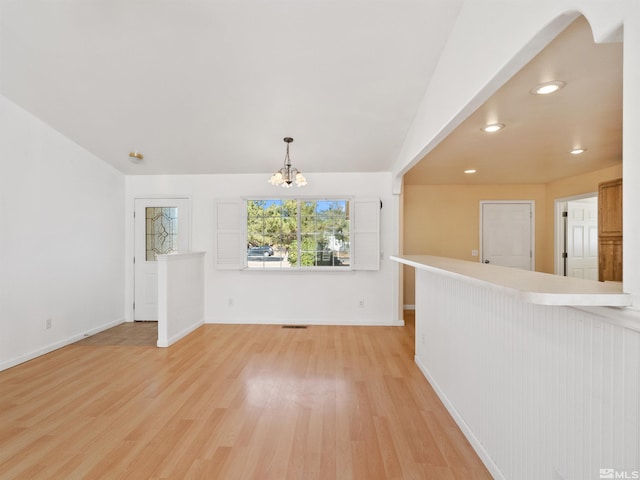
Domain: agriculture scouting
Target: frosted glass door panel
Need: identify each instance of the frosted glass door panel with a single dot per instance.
(161, 231)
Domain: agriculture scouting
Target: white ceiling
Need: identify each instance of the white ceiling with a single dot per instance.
(205, 86)
(540, 130)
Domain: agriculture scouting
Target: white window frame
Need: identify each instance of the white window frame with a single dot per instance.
(230, 239)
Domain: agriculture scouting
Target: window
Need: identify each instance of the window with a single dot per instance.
(298, 233)
(161, 231)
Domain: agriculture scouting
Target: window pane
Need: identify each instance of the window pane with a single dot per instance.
(308, 224)
(289, 230)
(255, 208)
(334, 223)
(161, 231)
(308, 208)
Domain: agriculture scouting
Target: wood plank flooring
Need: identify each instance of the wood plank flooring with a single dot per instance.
(231, 402)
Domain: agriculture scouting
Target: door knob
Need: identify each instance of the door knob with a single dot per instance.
(486, 261)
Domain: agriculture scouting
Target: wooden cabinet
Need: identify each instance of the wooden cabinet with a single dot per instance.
(610, 230)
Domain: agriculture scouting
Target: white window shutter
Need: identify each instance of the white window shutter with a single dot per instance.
(229, 222)
(365, 250)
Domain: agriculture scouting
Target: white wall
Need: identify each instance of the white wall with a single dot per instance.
(180, 296)
(279, 297)
(631, 154)
(61, 239)
(490, 42)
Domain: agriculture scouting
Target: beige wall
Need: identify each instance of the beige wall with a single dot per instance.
(444, 220)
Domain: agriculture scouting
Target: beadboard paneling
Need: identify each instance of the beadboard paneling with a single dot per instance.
(543, 392)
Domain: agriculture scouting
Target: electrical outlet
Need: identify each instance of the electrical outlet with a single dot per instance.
(230, 301)
(422, 338)
(361, 303)
(48, 323)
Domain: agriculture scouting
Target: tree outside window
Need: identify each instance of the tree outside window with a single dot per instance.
(298, 233)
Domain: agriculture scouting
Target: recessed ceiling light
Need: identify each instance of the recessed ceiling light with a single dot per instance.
(493, 127)
(471, 170)
(577, 151)
(548, 87)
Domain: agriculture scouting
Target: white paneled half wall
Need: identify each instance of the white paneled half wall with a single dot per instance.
(542, 392)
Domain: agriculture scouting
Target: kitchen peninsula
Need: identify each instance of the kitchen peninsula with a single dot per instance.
(540, 372)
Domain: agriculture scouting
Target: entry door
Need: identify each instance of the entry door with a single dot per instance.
(582, 238)
(161, 226)
(507, 234)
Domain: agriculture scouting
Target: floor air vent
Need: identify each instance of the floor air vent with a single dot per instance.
(294, 326)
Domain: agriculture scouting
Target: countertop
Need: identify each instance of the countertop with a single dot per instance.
(531, 287)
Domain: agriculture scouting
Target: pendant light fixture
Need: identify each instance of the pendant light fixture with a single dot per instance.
(288, 174)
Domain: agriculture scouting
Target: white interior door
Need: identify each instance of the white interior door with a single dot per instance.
(161, 226)
(507, 234)
(582, 238)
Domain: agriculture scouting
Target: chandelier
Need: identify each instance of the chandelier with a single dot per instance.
(288, 174)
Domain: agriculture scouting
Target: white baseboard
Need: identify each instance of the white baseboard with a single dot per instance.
(258, 321)
(163, 343)
(468, 433)
(59, 344)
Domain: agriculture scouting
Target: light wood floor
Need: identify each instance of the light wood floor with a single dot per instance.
(231, 402)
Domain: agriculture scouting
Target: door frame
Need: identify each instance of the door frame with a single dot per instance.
(132, 245)
(559, 233)
(532, 204)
